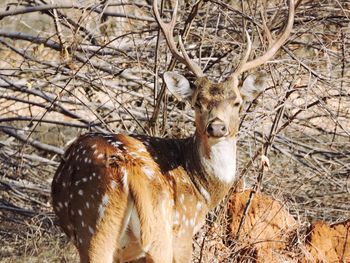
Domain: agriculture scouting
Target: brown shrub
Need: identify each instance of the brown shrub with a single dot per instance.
(329, 243)
(267, 230)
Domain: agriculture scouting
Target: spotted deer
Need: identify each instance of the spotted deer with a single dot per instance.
(126, 197)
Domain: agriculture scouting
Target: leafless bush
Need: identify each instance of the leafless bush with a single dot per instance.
(67, 68)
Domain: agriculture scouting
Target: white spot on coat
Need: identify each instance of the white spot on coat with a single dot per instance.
(105, 200)
(113, 184)
(205, 194)
(149, 172)
(141, 149)
(176, 217)
(101, 211)
(124, 178)
(182, 198)
(192, 221)
(116, 144)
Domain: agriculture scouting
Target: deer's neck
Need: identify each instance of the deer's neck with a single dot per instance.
(213, 167)
(219, 160)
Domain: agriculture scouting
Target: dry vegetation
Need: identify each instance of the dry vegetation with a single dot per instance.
(66, 69)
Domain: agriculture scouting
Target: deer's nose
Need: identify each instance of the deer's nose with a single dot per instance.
(216, 129)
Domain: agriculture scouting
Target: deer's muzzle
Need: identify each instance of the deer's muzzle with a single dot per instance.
(217, 128)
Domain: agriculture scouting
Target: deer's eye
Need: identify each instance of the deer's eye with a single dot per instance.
(236, 104)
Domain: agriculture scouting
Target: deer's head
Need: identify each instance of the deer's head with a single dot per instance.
(217, 105)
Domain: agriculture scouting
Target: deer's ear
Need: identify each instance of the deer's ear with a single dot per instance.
(253, 85)
(178, 85)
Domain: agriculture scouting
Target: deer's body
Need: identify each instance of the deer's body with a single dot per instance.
(117, 178)
(120, 197)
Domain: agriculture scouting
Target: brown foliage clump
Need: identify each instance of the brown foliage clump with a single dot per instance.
(269, 233)
(267, 229)
(328, 243)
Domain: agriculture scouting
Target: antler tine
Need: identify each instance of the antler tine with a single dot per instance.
(195, 68)
(168, 31)
(245, 57)
(244, 65)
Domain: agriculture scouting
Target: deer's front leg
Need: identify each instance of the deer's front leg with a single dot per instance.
(161, 252)
(160, 244)
(183, 248)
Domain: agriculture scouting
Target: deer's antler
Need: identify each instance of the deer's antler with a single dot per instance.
(168, 31)
(246, 65)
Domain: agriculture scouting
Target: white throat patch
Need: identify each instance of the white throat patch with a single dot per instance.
(222, 161)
